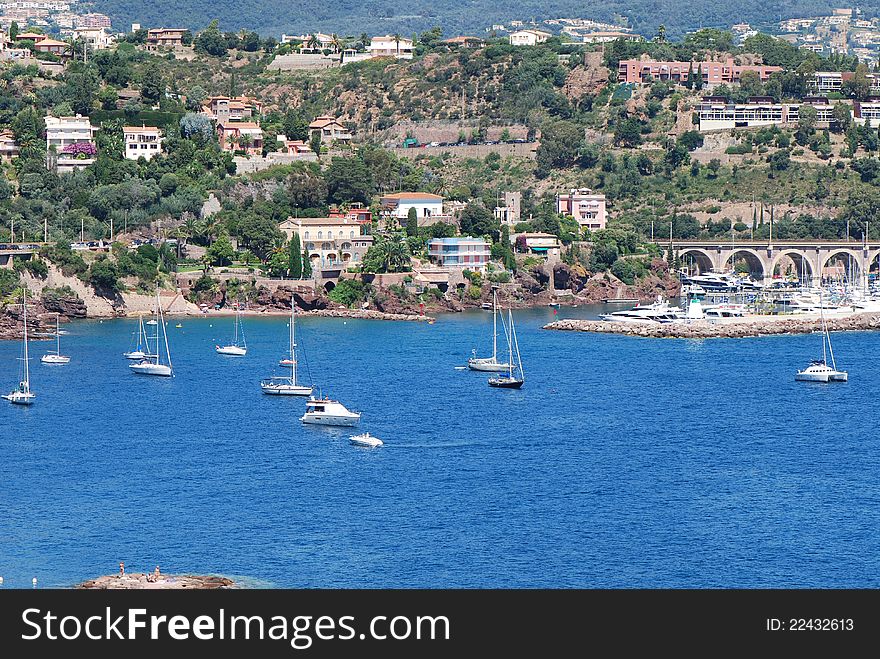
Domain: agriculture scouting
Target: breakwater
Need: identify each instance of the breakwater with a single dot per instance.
(725, 329)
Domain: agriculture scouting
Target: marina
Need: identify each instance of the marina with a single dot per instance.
(701, 495)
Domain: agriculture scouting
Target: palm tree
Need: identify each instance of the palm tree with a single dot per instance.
(396, 256)
(313, 42)
(397, 39)
(365, 40)
(335, 42)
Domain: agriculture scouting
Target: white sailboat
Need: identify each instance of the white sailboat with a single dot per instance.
(510, 381)
(23, 395)
(287, 386)
(56, 357)
(152, 363)
(234, 349)
(490, 364)
(141, 348)
(819, 370)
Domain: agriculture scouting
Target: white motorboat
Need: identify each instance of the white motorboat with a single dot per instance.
(366, 440)
(819, 370)
(235, 349)
(287, 386)
(658, 312)
(55, 357)
(152, 363)
(726, 310)
(490, 364)
(22, 395)
(326, 412)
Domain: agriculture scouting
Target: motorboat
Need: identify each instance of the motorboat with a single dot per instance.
(366, 439)
(490, 364)
(22, 394)
(55, 357)
(726, 310)
(660, 311)
(720, 281)
(326, 412)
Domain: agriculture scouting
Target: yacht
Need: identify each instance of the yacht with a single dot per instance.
(660, 312)
(55, 357)
(819, 370)
(365, 440)
(326, 412)
(235, 349)
(511, 380)
(726, 310)
(22, 395)
(490, 364)
(287, 385)
(152, 363)
(720, 281)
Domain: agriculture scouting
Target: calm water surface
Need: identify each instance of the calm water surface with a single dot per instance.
(622, 462)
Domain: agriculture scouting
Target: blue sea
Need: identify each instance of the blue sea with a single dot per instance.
(623, 462)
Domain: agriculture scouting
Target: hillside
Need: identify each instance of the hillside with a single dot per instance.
(351, 17)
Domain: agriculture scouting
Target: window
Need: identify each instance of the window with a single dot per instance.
(307, 235)
(329, 235)
(351, 234)
(320, 235)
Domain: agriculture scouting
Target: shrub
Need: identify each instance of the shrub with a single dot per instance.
(8, 282)
(348, 292)
(475, 292)
(35, 266)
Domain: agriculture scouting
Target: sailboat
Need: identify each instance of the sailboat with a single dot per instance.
(234, 349)
(152, 364)
(55, 357)
(490, 364)
(141, 349)
(819, 370)
(23, 394)
(287, 386)
(509, 381)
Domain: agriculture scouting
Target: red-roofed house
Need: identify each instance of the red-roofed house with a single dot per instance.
(240, 136)
(330, 129)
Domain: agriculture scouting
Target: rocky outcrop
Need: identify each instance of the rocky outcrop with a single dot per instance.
(736, 329)
(68, 306)
(369, 314)
(150, 581)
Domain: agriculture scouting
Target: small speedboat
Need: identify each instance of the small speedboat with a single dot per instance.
(365, 440)
(486, 306)
(285, 362)
(326, 412)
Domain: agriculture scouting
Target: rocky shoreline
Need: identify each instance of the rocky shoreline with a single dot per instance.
(149, 581)
(735, 329)
(369, 314)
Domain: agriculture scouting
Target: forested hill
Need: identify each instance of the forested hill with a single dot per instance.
(354, 17)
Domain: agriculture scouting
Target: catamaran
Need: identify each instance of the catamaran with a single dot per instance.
(510, 381)
(23, 395)
(234, 349)
(140, 350)
(152, 363)
(55, 357)
(287, 386)
(819, 370)
(490, 364)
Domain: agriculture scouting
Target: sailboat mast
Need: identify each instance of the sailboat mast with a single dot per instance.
(522, 373)
(27, 371)
(164, 332)
(494, 326)
(510, 344)
(292, 340)
(57, 334)
(235, 331)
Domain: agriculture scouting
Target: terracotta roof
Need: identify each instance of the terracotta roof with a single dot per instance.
(324, 120)
(321, 221)
(140, 129)
(51, 42)
(238, 125)
(411, 195)
(31, 35)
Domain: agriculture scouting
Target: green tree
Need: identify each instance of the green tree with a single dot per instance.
(714, 167)
(561, 143)
(477, 220)
(349, 292)
(276, 265)
(259, 233)
(295, 125)
(628, 133)
(349, 179)
(210, 41)
(81, 87)
(13, 31)
(842, 118)
(412, 223)
(152, 86)
(307, 266)
(104, 276)
(221, 252)
(295, 259)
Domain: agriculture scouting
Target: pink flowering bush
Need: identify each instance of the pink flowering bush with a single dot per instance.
(80, 150)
